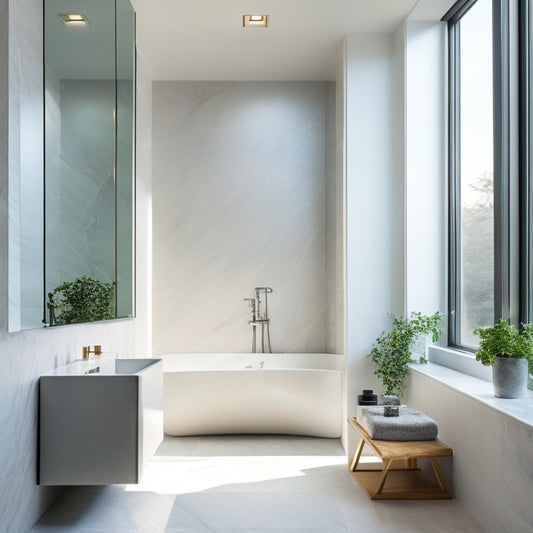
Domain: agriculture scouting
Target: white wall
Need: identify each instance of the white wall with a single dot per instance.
(143, 207)
(426, 178)
(374, 216)
(26, 355)
(240, 202)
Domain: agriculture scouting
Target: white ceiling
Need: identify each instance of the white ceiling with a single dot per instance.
(205, 40)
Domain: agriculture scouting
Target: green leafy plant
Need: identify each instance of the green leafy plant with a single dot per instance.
(392, 351)
(83, 300)
(505, 340)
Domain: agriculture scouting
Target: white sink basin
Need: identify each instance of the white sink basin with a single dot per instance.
(100, 420)
(108, 366)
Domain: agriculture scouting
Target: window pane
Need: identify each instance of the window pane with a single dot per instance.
(476, 173)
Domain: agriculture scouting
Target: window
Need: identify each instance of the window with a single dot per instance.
(472, 171)
(491, 165)
(507, 198)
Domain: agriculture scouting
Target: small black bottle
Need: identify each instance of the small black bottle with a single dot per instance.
(368, 397)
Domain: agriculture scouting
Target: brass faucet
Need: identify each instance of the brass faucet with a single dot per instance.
(86, 351)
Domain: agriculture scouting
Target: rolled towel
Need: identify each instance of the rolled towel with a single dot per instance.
(409, 425)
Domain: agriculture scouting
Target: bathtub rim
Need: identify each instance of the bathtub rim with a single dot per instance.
(322, 361)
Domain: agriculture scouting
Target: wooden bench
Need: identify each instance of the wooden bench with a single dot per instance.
(399, 477)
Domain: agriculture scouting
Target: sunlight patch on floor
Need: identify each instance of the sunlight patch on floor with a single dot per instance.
(183, 475)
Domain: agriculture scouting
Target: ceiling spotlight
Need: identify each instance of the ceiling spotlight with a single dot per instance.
(255, 21)
(73, 19)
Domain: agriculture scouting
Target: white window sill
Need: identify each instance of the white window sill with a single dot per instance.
(474, 387)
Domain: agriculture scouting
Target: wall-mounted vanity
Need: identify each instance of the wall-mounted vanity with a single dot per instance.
(100, 421)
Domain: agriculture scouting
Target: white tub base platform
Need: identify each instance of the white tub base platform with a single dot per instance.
(293, 394)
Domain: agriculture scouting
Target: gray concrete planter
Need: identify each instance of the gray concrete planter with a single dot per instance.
(509, 376)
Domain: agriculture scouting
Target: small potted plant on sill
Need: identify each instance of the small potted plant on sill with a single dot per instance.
(509, 350)
(392, 351)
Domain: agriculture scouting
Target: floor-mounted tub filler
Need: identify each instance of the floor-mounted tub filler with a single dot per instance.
(259, 317)
(224, 393)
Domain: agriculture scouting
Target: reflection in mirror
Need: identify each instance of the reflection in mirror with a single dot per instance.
(89, 150)
(125, 165)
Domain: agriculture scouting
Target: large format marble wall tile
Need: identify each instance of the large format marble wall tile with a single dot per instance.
(238, 202)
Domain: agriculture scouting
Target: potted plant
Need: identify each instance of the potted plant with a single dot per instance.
(509, 350)
(392, 351)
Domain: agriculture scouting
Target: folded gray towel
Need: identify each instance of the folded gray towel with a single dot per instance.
(410, 425)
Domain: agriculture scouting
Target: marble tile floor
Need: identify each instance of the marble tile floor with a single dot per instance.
(247, 484)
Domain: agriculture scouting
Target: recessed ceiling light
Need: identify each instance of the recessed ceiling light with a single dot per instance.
(255, 21)
(73, 19)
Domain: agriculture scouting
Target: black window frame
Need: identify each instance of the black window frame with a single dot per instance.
(525, 163)
(501, 167)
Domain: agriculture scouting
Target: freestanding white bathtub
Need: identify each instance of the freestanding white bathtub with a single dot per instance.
(294, 394)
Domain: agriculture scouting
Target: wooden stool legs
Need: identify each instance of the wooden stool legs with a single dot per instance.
(357, 455)
(400, 477)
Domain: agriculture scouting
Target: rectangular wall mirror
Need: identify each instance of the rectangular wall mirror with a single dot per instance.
(89, 94)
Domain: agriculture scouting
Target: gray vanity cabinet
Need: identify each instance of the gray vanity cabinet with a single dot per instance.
(100, 421)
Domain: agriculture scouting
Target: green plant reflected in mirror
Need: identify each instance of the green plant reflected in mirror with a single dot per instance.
(82, 300)
(89, 120)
